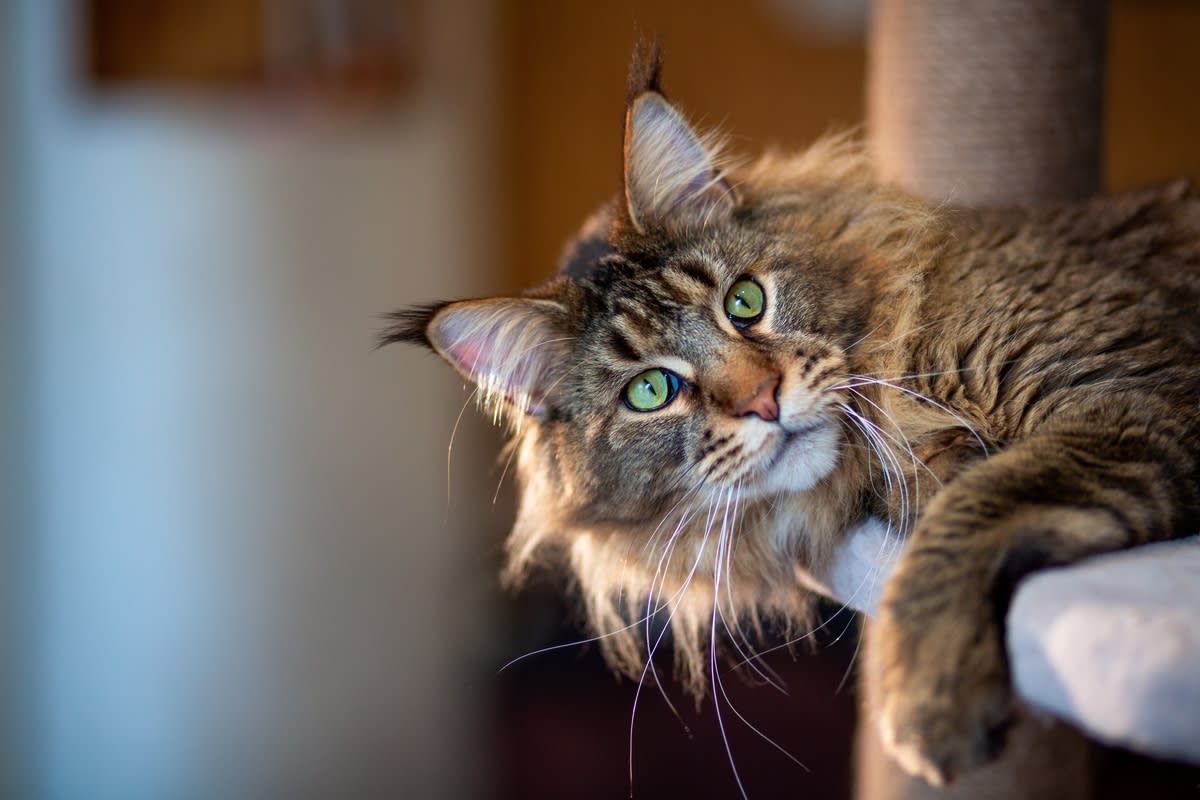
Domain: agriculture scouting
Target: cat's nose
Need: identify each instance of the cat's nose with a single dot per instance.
(764, 402)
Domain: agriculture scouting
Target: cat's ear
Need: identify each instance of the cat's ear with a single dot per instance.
(514, 349)
(671, 174)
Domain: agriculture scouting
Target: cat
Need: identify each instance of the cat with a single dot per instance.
(739, 364)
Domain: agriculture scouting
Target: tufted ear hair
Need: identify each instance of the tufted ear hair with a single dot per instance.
(671, 173)
(514, 349)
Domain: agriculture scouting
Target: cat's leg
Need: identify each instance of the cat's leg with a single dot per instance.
(1116, 475)
(1042, 760)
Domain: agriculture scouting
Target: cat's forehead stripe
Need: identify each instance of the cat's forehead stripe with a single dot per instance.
(636, 313)
(687, 288)
(623, 346)
(648, 300)
(695, 270)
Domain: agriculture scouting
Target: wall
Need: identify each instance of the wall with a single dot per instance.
(12, 446)
(244, 579)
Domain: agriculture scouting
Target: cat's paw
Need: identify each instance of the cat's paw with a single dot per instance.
(947, 703)
(940, 741)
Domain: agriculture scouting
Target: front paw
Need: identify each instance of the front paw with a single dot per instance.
(947, 704)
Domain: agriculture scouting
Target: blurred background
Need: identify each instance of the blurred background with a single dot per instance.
(237, 560)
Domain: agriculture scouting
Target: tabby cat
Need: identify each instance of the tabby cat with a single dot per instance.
(741, 365)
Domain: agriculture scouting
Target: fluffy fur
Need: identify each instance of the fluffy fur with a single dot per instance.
(1010, 390)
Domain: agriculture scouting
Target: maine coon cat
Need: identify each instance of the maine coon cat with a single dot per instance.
(739, 365)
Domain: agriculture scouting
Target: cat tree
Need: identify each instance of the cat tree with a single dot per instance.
(1000, 102)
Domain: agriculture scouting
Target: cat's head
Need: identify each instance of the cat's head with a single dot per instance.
(689, 355)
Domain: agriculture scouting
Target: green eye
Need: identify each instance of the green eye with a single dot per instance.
(745, 302)
(651, 390)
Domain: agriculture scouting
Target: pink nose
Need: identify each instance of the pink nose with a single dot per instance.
(762, 402)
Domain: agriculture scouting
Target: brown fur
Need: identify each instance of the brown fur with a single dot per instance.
(1038, 404)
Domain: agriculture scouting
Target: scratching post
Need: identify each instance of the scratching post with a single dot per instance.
(986, 103)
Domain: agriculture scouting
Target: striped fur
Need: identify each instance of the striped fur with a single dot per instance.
(1010, 390)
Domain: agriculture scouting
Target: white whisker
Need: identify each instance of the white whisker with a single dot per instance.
(714, 673)
(726, 542)
(925, 399)
(507, 463)
(652, 649)
(450, 447)
(760, 668)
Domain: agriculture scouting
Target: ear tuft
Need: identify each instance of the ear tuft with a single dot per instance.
(645, 70)
(407, 325)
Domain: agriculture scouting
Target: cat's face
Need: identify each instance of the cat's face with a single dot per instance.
(702, 353)
(698, 365)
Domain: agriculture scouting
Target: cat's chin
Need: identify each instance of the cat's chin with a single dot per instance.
(803, 459)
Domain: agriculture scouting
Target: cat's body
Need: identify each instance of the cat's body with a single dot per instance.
(753, 362)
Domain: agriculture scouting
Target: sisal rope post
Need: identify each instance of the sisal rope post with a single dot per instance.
(988, 102)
